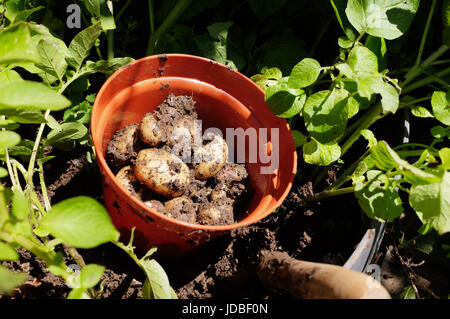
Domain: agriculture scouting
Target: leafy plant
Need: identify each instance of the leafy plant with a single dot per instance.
(27, 217)
(361, 91)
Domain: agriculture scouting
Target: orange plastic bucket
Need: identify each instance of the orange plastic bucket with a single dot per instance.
(224, 99)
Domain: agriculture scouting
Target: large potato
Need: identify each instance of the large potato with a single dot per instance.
(214, 156)
(123, 147)
(150, 130)
(162, 172)
(128, 180)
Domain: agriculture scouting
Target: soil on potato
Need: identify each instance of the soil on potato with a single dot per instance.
(146, 158)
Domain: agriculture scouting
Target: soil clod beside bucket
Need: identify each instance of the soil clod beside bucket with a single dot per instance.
(225, 100)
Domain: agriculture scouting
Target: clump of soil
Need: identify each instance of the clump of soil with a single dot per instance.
(157, 161)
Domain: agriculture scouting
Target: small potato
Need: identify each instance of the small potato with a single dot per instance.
(128, 180)
(215, 214)
(157, 205)
(162, 172)
(214, 156)
(122, 147)
(181, 208)
(150, 130)
(220, 192)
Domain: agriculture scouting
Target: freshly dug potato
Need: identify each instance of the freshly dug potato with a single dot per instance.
(214, 156)
(216, 213)
(162, 172)
(183, 126)
(157, 205)
(151, 131)
(181, 208)
(123, 147)
(128, 180)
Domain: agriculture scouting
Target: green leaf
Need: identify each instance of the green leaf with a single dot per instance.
(339, 10)
(268, 77)
(158, 280)
(446, 22)
(373, 83)
(439, 131)
(10, 280)
(299, 138)
(361, 59)
(386, 159)
(304, 73)
(3, 172)
(325, 114)
(104, 66)
(284, 101)
(378, 47)
(20, 207)
(65, 132)
(345, 42)
(378, 198)
(219, 31)
(408, 293)
(100, 9)
(52, 52)
(7, 252)
(441, 107)
(24, 116)
(81, 45)
(315, 153)
(90, 275)
(16, 45)
(387, 19)
(370, 137)
(9, 76)
(363, 166)
(81, 222)
(432, 203)
(29, 94)
(23, 15)
(444, 155)
(420, 111)
(77, 293)
(8, 139)
(13, 8)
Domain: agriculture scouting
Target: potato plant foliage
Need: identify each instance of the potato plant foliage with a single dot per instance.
(361, 91)
(28, 48)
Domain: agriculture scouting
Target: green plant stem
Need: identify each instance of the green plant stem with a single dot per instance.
(151, 17)
(122, 10)
(47, 204)
(416, 71)
(110, 35)
(173, 16)
(374, 113)
(425, 81)
(425, 33)
(37, 142)
(4, 214)
(326, 194)
(346, 176)
(413, 153)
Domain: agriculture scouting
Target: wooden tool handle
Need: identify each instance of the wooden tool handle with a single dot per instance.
(302, 279)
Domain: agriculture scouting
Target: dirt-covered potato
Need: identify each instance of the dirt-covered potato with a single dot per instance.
(157, 205)
(184, 127)
(128, 180)
(151, 131)
(162, 172)
(214, 156)
(216, 213)
(123, 146)
(181, 208)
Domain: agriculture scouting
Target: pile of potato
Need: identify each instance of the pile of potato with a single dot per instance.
(147, 157)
